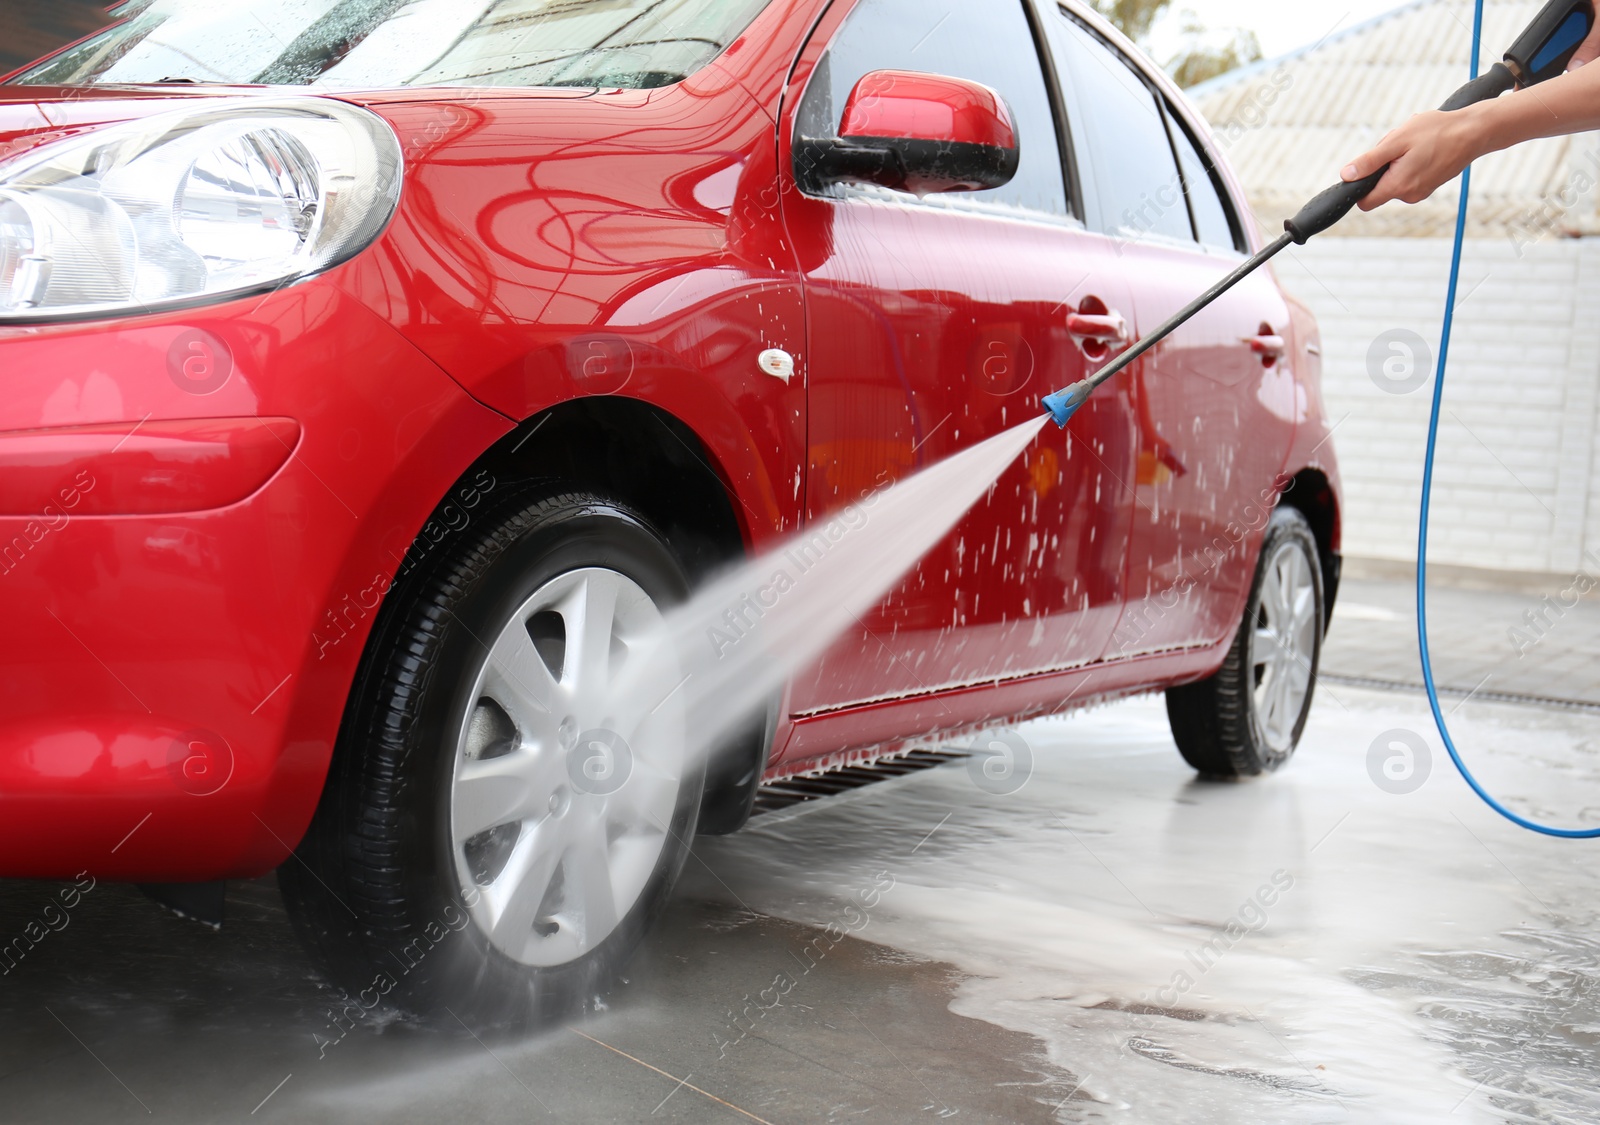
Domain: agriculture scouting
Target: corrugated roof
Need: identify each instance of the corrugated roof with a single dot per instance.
(1288, 125)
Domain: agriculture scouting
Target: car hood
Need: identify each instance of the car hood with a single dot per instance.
(35, 115)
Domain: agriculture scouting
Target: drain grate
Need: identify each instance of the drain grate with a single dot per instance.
(793, 790)
(1377, 684)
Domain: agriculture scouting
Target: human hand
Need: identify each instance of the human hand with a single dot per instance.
(1433, 148)
(1429, 150)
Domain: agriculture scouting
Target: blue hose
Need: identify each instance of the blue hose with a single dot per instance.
(1427, 490)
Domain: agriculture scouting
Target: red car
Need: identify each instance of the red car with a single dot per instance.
(374, 372)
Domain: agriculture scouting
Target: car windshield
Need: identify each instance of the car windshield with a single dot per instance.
(367, 44)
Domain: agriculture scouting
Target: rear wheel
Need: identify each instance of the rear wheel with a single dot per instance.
(499, 829)
(1247, 718)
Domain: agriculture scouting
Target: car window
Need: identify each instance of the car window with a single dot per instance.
(367, 44)
(987, 41)
(1212, 225)
(1121, 140)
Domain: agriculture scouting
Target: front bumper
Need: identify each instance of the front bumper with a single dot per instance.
(173, 677)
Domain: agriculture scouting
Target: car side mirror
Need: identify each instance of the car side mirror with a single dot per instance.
(918, 133)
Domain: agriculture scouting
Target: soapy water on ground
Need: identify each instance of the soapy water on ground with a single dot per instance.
(1304, 947)
(1419, 960)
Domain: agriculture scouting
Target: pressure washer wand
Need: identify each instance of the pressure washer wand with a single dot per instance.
(1542, 51)
(1063, 404)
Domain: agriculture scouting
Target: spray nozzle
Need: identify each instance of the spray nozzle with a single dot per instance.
(1063, 404)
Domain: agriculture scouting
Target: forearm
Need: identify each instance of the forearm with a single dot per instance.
(1568, 104)
(1432, 148)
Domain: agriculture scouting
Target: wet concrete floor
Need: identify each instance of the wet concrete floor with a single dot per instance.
(1095, 937)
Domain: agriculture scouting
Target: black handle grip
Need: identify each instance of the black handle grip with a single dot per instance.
(1485, 88)
(1329, 206)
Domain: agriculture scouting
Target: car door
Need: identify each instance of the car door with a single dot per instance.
(936, 323)
(1215, 404)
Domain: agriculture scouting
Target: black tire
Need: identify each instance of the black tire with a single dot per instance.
(374, 889)
(1218, 722)
(734, 771)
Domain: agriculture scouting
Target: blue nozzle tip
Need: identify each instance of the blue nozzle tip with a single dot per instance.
(1062, 405)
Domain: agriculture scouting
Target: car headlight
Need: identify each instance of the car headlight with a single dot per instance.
(215, 201)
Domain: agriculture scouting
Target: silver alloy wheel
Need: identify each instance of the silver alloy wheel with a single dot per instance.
(1283, 645)
(562, 795)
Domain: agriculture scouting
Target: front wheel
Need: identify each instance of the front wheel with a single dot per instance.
(499, 829)
(1247, 718)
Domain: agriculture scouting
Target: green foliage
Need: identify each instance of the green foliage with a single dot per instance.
(1199, 62)
(1133, 18)
(1203, 56)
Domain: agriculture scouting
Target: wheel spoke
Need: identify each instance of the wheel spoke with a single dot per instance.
(514, 898)
(590, 613)
(1283, 712)
(1289, 711)
(1286, 588)
(491, 793)
(588, 874)
(1267, 696)
(1262, 690)
(1266, 641)
(518, 679)
(1298, 676)
(1302, 608)
(1271, 726)
(1304, 644)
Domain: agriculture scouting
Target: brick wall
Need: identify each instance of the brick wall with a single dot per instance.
(31, 28)
(1517, 482)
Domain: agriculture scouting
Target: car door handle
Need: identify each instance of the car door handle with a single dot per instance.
(1266, 346)
(1090, 326)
